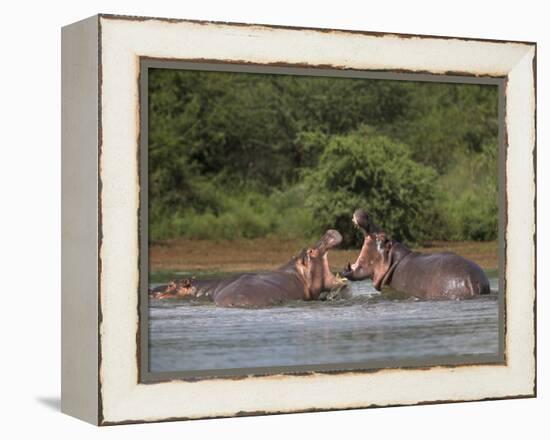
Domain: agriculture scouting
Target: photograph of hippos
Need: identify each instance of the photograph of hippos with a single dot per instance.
(433, 276)
(304, 277)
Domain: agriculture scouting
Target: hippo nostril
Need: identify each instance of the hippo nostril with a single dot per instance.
(335, 236)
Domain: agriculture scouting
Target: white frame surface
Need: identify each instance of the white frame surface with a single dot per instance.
(121, 41)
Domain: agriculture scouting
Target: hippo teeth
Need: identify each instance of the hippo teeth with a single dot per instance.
(341, 279)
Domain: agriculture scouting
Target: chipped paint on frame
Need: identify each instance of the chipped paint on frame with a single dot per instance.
(122, 397)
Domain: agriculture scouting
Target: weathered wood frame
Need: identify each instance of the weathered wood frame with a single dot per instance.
(101, 59)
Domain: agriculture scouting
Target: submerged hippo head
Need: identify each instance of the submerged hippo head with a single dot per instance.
(312, 264)
(175, 289)
(374, 261)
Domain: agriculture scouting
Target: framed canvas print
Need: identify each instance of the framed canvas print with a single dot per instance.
(262, 219)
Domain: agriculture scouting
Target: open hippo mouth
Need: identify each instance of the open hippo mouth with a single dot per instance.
(363, 266)
(331, 239)
(362, 221)
(328, 281)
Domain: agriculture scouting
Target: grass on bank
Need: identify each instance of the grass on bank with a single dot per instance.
(208, 257)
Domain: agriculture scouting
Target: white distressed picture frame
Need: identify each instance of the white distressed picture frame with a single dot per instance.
(100, 214)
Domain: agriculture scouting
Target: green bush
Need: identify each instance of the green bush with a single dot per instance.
(240, 155)
(468, 203)
(377, 174)
(245, 214)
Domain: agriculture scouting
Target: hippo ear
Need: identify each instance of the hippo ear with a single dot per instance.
(382, 271)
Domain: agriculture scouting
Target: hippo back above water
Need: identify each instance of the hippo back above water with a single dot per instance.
(442, 275)
(304, 277)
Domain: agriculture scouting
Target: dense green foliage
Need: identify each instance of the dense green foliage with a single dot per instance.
(235, 155)
(380, 176)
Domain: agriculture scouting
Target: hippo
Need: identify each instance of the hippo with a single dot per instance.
(434, 276)
(303, 278)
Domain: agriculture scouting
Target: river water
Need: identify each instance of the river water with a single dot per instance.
(368, 328)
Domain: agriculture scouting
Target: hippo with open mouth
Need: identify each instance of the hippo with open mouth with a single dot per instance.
(442, 275)
(303, 278)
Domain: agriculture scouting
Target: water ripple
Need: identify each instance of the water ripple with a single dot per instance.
(186, 335)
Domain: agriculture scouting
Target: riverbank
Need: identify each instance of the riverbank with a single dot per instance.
(186, 255)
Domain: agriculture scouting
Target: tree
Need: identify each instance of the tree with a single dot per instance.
(377, 174)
